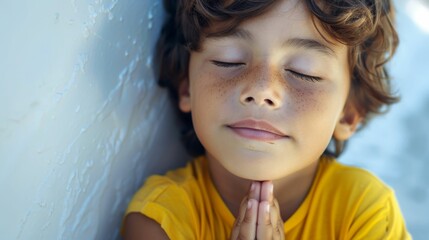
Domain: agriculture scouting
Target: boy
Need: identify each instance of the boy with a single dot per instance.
(268, 85)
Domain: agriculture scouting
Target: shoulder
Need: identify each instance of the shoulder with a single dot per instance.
(138, 226)
(167, 203)
(354, 190)
(179, 183)
(363, 205)
(351, 179)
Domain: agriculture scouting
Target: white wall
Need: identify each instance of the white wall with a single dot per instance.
(82, 121)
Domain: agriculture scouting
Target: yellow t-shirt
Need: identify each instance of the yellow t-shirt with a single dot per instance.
(343, 203)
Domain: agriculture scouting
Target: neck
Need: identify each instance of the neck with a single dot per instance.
(292, 190)
(289, 191)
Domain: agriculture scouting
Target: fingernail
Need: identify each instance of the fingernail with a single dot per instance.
(271, 188)
(267, 208)
(249, 204)
(252, 187)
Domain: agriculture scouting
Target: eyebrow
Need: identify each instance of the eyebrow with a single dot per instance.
(310, 44)
(305, 43)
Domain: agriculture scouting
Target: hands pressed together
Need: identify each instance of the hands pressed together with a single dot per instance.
(259, 215)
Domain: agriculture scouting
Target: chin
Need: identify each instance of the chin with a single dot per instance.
(255, 176)
(259, 178)
(251, 164)
(259, 167)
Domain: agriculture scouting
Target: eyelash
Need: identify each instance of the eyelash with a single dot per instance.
(304, 76)
(227, 64)
(294, 73)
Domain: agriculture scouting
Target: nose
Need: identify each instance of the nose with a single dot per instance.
(263, 91)
(260, 101)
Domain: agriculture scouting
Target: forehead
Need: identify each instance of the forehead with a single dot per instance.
(286, 23)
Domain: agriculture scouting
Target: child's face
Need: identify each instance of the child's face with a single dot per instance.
(276, 69)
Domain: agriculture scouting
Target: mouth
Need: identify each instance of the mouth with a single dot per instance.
(257, 130)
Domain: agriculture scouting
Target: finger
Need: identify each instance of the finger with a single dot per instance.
(267, 191)
(246, 206)
(241, 213)
(276, 220)
(264, 227)
(255, 190)
(245, 225)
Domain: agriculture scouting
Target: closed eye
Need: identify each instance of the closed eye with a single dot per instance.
(304, 76)
(227, 64)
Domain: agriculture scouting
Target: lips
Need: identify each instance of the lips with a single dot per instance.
(257, 130)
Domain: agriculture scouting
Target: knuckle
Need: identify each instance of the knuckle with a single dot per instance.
(237, 224)
(266, 222)
(247, 219)
(279, 233)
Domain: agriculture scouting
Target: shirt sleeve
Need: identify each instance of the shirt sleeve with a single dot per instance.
(167, 204)
(380, 220)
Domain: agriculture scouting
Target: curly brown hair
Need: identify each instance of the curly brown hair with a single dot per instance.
(365, 26)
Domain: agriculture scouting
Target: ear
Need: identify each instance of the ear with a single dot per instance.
(348, 123)
(184, 96)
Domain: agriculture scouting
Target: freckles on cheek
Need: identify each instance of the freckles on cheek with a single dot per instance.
(219, 86)
(209, 91)
(308, 100)
(313, 111)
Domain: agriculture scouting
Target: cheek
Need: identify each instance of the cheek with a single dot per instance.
(317, 108)
(209, 95)
(213, 89)
(306, 101)
(314, 118)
